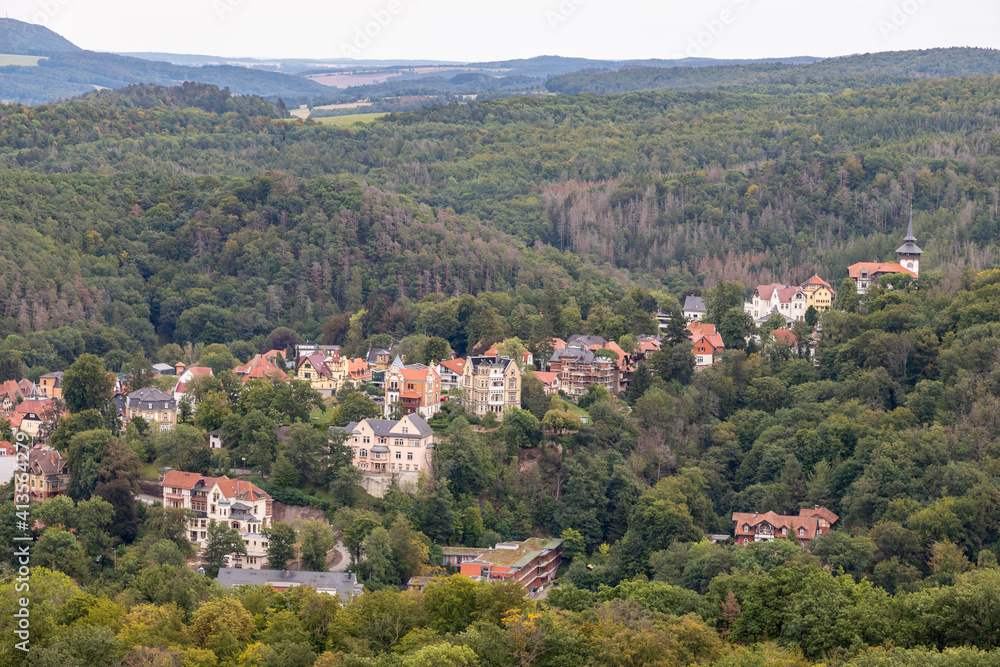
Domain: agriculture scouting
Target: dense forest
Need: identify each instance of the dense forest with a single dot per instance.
(186, 225)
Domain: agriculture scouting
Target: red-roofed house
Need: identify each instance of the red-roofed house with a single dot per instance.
(262, 366)
(240, 505)
(450, 372)
(186, 378)
(358, 371)
(786, 336)
(819, 294)
(48, 474)
(8, 461)
(866, 274)
(790, 300)
(809, 524)
(416, 386)
(10, 392)
(707, 350)
(325, 372)
(550, 381)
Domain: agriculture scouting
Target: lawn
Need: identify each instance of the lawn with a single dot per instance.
(349, 119)
(320, 416)
(7, 59)
(577, 410)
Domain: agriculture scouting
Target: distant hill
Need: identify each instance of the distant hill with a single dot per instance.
(69, 71)
(18, 37)
(864, 69)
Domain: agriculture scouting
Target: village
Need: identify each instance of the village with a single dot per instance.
(396, 447)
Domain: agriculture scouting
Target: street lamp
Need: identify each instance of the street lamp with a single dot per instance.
(244, 465)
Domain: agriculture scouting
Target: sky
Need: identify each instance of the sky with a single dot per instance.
(479, 30)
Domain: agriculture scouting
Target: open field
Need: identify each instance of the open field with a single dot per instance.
(350, 119)
(7, 59)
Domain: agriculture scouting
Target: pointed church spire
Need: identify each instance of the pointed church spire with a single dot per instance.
(910, 238)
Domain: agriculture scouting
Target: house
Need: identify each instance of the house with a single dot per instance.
(819, 294)
(392, 447)
(579, 367)
(707, 349)
(379, 358)
(790, 301)
(694, 308)
(866, 274)
(324, 373)
(241, 505)
(343, 584)
(36, 417)
(215, 439)
(309, 349)
(491, 385)
(153, 405)
(550, 381)
(527, 359)
(786, 336)
(48, 474)
(8, 461)
(416, 386)
(164, 369)
(10, 395)
(532, 563)
(358, 371)
(450, 371)
(267, 366)
(647, 345)
(50, 384)
(809, 524)
(185, 378)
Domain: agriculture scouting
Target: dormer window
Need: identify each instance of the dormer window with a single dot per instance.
(746, 528)
(784, 531)
(802, 531)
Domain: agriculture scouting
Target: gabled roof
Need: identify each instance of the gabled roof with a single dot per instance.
(697, 327)
(821, 512)
(236, 488)
(547, 377)
(149, 394)
(581, 340)
(694, 304)
(38, 405)
(774, 311)
(358, 368)
(375, 352)
(11, 388)
(383, 428)
(500, 362)
(186, 480)
(454, 365)
(414, 374)
(877, 269)
(317, 361)
(580, 354)
(46, 461)
(818, 282)
(261, 366)
(785, 336)
(785, 292)
(713, 339)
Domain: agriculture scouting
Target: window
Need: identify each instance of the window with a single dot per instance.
(363, 453)
(399, 455)
(414, 443)
(802, 531)
(398, 442)
(409, 456)
(784, 531)
(406, 429)
(366, 439)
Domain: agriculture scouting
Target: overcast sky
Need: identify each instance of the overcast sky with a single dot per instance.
(471, 30)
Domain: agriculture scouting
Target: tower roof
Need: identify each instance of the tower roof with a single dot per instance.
(909, 246)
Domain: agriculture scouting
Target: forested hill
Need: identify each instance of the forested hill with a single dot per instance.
(67, 71)
(155, 211)
(18, 37)
(832, 74)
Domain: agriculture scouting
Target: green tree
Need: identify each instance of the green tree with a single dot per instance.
(725, 296)
(315, 540)
(87, 385)
(377, 551)
(222, 541)
(280, 545)
(520, 430)
(573, 543)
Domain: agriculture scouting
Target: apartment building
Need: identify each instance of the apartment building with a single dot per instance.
(391, 447)
(491, 385)
(532, 563)
(416, 386)
(241, 505)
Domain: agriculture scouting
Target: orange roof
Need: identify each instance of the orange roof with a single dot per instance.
(557, 343)
(15, 419)
(547, 377)
(650, 345)
(11, 388)
(808, 523)
(817, 281)
(198, 370)
(877, 268)
(416, 374)
(697, 327)
(261, 366)
(235, 488)
(36, 405)
(785, 336)
(358, 368)
(821, 512)
(614, 347)
(274, 353)
(410, 394)
(456, 366)
(713, 339)
(7, 448)
(785, 292)
(185, 480)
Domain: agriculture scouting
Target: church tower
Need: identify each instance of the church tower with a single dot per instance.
(909, 253)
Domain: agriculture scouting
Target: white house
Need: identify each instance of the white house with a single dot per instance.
(790, 300)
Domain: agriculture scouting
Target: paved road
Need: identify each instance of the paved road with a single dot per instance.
(338, 558)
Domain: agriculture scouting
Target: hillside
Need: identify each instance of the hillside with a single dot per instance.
(27, 38)
(830, 74)
(68, 71)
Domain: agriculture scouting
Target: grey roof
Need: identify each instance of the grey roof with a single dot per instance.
(770, 313)
(383, 427)
(498, 361)
(373, 352)
(580, 340)
(694, 304)
(159, 399)
(584, 355)
(380, 448)
(909, 246)
(344, 583)
(164, 369)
